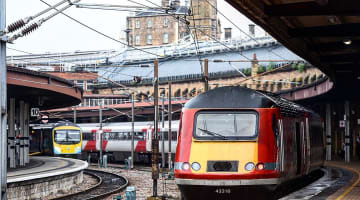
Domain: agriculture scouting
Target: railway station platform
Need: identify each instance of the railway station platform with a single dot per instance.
(351, 189)
(43, 177)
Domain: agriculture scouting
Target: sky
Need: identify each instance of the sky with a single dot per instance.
(60, 34)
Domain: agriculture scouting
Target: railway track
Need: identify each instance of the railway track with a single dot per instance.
(108, 183)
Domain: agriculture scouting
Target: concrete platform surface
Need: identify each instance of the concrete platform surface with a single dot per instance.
(50, 166)
(351, 190)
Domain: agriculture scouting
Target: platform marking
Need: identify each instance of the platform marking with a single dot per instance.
(352, 186)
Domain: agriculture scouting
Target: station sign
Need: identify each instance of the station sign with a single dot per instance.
(45, 119)
(34, 112)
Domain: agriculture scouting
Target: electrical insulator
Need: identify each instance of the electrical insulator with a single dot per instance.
(29, 29)
(15, 26)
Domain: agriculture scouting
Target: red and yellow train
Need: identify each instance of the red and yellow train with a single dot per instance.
(231, 138)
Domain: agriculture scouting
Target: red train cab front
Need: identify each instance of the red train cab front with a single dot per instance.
(227, 142)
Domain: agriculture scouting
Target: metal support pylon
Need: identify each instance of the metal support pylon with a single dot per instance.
(3, 101)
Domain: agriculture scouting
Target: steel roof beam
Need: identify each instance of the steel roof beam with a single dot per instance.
(339, 30)
(351, 57)
(334, 7)
(334, 46)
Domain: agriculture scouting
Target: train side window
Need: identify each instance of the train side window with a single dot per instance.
(174, 136)
(106, 136)
(121, 136)
(140, 135)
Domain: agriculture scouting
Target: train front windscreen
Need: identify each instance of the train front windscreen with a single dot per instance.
(67, 136)
(220, 125)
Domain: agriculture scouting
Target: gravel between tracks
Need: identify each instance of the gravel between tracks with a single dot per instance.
(141, 179)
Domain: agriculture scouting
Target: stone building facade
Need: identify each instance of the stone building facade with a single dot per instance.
(153, 28)
(271, 82)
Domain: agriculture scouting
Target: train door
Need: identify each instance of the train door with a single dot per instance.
(307, 129)
(298, 148)
(148, 139)
(282, 151)
(303, 146)
(98, 139)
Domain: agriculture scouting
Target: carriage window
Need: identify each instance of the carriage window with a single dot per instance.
(88, 136)
(174, 136)
(226, 125)
(139, 136)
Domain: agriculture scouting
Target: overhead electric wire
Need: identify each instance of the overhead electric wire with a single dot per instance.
(195, 38)
(103, 34)
(28, 29)
(21, 51)
(217, 10)
(262, 74)
(198, 29)
(22, 22)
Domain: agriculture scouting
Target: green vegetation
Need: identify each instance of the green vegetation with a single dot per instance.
(301, 67)
(271, 66)
(247, 71)
(261, 69)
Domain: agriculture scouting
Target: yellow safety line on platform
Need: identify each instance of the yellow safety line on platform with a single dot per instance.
(35, 153)
(352, 186)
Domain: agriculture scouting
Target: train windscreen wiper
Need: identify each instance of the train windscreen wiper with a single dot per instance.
(212, 133)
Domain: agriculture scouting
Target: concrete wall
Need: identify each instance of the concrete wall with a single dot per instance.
(44, 188)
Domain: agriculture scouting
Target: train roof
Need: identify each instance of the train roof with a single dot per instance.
(65, 123)
(240, 97)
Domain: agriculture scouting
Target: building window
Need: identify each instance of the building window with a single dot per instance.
(166, 38)
(149, 39)
(137, 40)
(149, 23)
(137, 25)
(166, 21)
(80, 83)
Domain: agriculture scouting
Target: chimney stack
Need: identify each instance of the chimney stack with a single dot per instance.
(252, 30)
(165, 3)
(175, 3)
(227, 33)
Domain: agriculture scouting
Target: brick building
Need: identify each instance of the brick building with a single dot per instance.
(82, 79)
(155, 28)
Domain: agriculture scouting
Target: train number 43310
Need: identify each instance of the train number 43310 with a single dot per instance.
(223, 191)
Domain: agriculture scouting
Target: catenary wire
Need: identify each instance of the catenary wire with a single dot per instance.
(103, 34)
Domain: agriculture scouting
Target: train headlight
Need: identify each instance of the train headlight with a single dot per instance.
(57, 150)
(260, 166)
(78, 149)
(196, 166)
(249, 166)
(185, 166)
